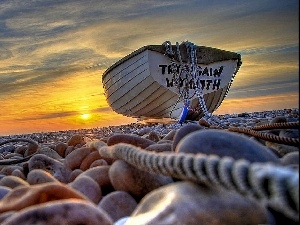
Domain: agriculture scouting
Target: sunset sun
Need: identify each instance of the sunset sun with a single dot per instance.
(85, 116)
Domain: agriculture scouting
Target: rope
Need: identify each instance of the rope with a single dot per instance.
(5, 162)
(270, 137)
(284, 125)
(274, 185)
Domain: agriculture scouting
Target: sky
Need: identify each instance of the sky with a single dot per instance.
(53, 54)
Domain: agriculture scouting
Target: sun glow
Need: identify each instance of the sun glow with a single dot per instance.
(85, 116)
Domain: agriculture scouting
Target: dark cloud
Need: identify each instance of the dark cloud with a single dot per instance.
(55, 115)
(268, 87)
(49, 116)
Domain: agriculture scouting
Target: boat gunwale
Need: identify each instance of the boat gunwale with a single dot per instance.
(218, 55)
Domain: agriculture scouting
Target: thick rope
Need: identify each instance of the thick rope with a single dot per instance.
(267, 136)
(275, 185)
(5, 162)
(284, 125)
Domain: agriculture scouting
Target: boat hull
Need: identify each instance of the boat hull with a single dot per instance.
(141, 84)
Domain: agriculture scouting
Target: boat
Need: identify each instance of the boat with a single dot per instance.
(183, 81)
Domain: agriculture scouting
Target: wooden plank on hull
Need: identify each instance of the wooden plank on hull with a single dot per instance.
(126, 68)
(216, 99)
(127, 87)
(222, 96)
(209, 101)
(126, 75)
(166, 105)
(149, 103)
(125, 94)
(143, 95)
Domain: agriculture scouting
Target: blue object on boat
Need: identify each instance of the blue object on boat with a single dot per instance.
(183, 114)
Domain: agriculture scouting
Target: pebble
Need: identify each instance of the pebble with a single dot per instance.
(134, 181)
(182, 132)
(291, 158)
(67, 181)
(39, 176)
(24, 196)
(100, 175)
(61, 212)
(88, 187)
(56, 168)
(98, 162)
(153, 136)
(8, 170)
(189, 203)
(18, 173)
(163, 147)
(222, 143)
(60, 148)
(75, 140)
(74, 159)
(49, 152)
(118, 204)
(4, 190)
(89, 159)
(13, 182)
(129, 139)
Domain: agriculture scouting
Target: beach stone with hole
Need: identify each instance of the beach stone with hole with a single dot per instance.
(190, 203)
(137, 183)
(129, 139)
(25, 196)
(88, 187)
(223, 143)
(39, 176)
(118, 204)
(182, 132)
(70, 211)
(56, 168)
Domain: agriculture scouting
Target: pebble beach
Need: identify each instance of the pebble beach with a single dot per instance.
(83, 176)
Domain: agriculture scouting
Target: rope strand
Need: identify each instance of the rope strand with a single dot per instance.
(266, 136)
(275, 185)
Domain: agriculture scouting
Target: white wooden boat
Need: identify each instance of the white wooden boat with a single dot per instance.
(143, 85)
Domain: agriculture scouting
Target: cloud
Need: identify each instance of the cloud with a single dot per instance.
(52, 53)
